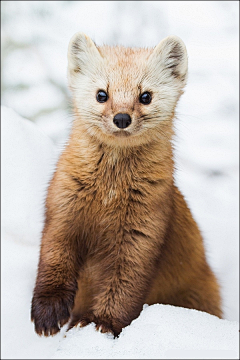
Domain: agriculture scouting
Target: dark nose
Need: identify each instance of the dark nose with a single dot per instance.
(122, 121)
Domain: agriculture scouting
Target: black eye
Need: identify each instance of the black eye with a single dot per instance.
(145, 98)
(101, 96)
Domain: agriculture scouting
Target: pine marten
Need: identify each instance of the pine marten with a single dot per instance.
(118, 233)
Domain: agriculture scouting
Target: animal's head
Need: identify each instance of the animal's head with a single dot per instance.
(126, 96)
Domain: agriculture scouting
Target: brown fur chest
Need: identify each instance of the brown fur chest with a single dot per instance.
(115, 195)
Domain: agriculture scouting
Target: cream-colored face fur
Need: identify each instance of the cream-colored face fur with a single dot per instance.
(124, 74)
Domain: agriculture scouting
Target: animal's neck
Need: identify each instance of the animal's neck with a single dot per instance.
(153, 161)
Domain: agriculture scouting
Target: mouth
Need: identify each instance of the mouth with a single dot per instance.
(121, 133)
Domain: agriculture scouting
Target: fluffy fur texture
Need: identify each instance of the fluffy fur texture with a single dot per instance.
(118, 232)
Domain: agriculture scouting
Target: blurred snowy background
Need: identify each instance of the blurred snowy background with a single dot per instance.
(34, 41)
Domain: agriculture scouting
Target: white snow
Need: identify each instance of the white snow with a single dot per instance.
(207, 163)
(160, 332)
(27, 161)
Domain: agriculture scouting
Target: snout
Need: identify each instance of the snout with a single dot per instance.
(122, 121)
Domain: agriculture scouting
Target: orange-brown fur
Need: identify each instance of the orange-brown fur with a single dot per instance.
(118, 233)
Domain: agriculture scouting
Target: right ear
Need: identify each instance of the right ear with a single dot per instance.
(83, 56)
(170, 58)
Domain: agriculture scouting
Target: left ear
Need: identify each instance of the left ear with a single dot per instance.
(83, 56)
(170, 56)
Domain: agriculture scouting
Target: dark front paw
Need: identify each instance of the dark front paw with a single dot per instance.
(50, 313)
(103, 324)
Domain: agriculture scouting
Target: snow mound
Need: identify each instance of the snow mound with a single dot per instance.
(160, 332)
(28, 158)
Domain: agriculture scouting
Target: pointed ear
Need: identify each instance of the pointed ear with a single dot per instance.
(170, 57)
(83, 55)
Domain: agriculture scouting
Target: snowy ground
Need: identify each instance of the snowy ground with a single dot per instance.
(207, 161)
(160, 332)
